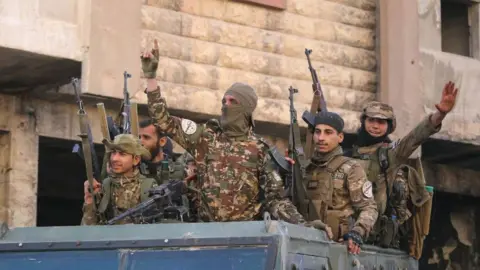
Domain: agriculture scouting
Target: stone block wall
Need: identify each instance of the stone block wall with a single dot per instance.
(207, 45)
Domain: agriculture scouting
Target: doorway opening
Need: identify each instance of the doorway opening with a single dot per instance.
(61, 174)
(452, 242)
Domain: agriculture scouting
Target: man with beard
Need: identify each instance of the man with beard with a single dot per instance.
(385, 162)
(235, 179)
(124, 187)
(162, 166)
(337, 185)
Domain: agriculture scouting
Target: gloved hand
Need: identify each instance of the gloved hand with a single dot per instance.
(150, 62)
(354, 242)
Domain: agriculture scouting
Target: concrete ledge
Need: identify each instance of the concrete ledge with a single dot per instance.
(24, 71)
(463, 123)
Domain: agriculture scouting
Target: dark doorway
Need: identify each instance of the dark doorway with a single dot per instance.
(452, 242)
(61, 174)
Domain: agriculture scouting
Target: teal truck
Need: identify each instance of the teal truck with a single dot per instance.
(252, 245)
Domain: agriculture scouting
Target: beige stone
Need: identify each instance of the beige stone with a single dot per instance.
(65, 10)
(284, 22)
(261, 62)
(362, 4)
(114, 47)
(270, 110)
(332, 11)
(216, 78)
(21, 173)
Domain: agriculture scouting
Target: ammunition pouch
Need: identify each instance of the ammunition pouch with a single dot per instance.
(339, 222)
(388, 234)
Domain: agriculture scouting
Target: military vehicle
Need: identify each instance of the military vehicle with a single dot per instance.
(252, 245)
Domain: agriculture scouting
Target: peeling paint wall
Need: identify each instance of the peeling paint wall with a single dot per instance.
(437, 68)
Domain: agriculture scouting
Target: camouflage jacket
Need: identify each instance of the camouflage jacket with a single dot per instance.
(118, 195)
(235, 179)
(398, 153)
(340, 190)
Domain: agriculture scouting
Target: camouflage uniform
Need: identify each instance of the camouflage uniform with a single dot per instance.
(397, 153)
(339, 189)
(235, 178)
(119, 192)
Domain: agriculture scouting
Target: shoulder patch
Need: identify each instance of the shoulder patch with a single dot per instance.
(188, 126)
(367, 189)
(393, 145)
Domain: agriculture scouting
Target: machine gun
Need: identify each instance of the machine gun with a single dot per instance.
(318, 104)
(87, 152)
(166, 202)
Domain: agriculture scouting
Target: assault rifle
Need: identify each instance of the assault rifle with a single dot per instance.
(294, 172)
(318, 104)
(87, 152)
(129, 113)
(126, 107)
(166, 202)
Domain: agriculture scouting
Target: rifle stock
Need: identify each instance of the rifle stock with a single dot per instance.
(103, 121)
(87, 144)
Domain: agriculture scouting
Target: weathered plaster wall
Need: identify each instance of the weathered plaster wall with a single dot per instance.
(430, 24)
(437, 68)
(205, 46)
(48, 27)
(463, 123)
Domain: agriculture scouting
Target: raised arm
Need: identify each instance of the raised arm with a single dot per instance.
(183, 131)
(429, 126)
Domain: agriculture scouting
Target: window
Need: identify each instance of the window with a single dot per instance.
(459, 22)
(280, 4)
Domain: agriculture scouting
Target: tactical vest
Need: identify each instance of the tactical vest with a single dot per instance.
(320, 185)
(376, 167)
(105, 206)
(164, 171)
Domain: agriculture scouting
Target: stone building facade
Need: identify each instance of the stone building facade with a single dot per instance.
(363, 50)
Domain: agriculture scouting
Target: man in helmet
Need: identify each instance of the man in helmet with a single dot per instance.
(235, 178)
(383, 159)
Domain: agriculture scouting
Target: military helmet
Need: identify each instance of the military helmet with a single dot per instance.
(127, 143)
(375, 109)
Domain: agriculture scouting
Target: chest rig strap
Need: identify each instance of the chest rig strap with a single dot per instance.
(320, 187)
